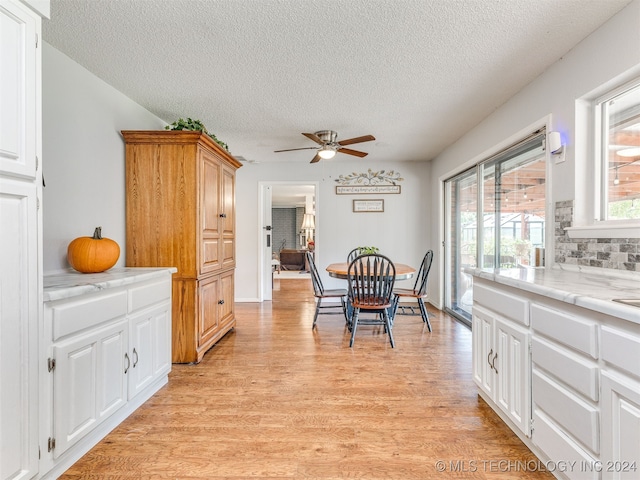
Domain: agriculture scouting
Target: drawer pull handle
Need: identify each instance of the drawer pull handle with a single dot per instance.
(489, 358)
(135, 362)
(493, 363)
(223, 215)
(126, 357)
(220, 302)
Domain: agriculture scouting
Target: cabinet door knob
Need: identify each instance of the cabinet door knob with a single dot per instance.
(220, 302)
(135, 361)
(126, 357)
(223, 215)
(493, 362)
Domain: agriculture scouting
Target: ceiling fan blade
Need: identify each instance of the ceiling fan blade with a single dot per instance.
(314, 137)
(292, 149)
(316, 159)
(351, 141)
(357, 153)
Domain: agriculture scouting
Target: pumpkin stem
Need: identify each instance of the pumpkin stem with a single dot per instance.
(97, 234)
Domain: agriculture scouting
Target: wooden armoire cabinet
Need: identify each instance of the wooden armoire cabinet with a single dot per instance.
(180, 211)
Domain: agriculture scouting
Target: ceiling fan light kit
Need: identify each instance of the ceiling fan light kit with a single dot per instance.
(327, 152)
(329, 146)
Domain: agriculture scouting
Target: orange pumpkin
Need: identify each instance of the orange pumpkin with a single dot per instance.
(93, 254)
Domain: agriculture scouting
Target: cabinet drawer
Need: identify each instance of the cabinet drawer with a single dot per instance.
(150, 294)
(559, 448)
(621, 349)
(70, 317)
(566, 366)
(567, 329)
(513, 308)
(577, 417)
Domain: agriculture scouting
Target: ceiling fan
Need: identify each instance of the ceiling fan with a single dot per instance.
(329, 146)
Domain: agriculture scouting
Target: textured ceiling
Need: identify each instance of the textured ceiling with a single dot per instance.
(416, 74)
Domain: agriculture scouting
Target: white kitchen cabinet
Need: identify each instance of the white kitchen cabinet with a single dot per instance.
(620, 403)
(620, 427)
(565, 386)
(483, 350)
(150, 346)
(20, 237)
(501, 365)
(90, 382)
(584, 373)
(108, 349)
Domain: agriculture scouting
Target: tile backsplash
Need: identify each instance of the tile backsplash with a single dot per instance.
(613, 253)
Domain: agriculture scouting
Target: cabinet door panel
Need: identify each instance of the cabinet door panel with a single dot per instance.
(210, 210)
(18, 92)
(141, 351)
(18, 329)
(89, 382)
(228, 221)
(150, 347)
(513, 371)
(620, 426)
(483, 351)
(208, 297)
(226, 311)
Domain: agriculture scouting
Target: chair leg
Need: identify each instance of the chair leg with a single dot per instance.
(354, 324)
(315, 317)
(424, 313)
(344, 309)
(388, 326)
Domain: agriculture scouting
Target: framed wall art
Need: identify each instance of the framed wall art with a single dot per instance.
(361, 206)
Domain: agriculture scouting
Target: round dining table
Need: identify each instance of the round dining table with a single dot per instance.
(339, 270)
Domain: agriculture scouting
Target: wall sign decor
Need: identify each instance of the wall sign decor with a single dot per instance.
(381, 181)
(360, 206)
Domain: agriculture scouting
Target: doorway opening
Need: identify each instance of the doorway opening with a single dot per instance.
(288, 229)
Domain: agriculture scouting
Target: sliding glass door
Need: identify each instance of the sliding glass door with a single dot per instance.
(495, 218)
(461, 244)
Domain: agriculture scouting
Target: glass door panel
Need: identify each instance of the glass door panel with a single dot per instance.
(462, 205)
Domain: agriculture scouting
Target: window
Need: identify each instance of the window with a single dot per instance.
(617, 116)
(495, 218)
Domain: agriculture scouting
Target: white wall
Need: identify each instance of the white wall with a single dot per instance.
(84, 172)
(83, 152)
(401, 231)
(609, 54)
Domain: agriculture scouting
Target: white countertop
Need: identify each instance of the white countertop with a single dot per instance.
(68, 284)
(590, 288)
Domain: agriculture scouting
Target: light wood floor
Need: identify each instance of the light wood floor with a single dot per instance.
(274, 399)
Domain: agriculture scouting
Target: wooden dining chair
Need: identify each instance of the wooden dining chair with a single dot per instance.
(353, 254)
(321, 293)
(371, 278)
(419, 291)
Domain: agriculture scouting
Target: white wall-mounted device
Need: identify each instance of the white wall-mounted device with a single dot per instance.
(556, 148)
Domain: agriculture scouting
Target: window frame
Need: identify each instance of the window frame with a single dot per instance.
(601, 131)
(589, 222)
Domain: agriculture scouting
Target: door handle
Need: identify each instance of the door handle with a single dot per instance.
(489, 358)
(493, 363)
(135, 362)
(126, 357)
